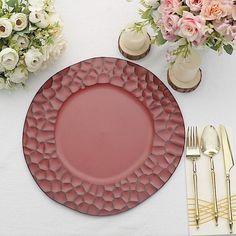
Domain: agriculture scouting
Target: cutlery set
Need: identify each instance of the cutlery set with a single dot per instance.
(210, 145)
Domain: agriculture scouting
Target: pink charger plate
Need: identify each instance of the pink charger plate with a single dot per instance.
(102, 136)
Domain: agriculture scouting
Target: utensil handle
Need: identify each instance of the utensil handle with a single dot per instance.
(195, 185)
(213, 180)
(229, 203)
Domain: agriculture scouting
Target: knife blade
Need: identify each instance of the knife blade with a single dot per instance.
(228, 157)
(229, 163)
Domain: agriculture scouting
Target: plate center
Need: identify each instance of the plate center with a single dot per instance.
(103, 133)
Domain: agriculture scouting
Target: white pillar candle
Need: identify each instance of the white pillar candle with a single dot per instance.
(186, 69)
(134, 40)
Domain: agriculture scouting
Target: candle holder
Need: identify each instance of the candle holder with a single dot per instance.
(185, 75)
(134, 45)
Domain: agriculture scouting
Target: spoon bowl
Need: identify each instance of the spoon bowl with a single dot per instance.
(210, 141)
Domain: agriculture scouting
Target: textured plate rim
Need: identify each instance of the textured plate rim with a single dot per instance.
(133, 64)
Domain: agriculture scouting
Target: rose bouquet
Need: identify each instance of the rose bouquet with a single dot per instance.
(30, 38)
(191, 23)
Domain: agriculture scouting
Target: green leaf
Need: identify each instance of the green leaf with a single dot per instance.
(146, 14)
(158, 39)
(181, 10)
(214, 43)
(138, 26)
(12, 3)
(31, 28)
(229, 49)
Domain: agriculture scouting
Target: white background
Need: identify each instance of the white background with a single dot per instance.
(92, 29)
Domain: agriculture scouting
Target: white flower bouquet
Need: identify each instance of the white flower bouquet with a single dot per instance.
(30, 39)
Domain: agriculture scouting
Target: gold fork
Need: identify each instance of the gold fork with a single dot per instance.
(193, 153)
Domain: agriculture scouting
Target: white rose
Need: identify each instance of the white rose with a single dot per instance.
(9, 58)
(33, 59)
(50, 6)
(34, 17)
(2, 69)
(36, 5)
(53, 51)
(54, 18)
(2, 83)
(19, 75)
(58, 46)
(22, 41)
(40, 18)
(5, 28)
(19, 21)
(152, 3)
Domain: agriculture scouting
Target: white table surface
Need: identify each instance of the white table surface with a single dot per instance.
(92, 29)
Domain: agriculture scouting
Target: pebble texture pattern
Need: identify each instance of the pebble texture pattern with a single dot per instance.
(101, 200)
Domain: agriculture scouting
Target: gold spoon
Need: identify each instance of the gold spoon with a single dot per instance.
(210, 146)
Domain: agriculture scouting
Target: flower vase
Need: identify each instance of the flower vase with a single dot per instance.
(185, 75)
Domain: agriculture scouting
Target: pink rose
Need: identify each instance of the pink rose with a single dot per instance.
(170, 57)
(191, 27)
(216, 9)
(234, 12)
(170, 22)
(194, 5)
(231, 32)
(169, 6)
(169, 25)
(169, 36)
(225, 28)
(221, 26)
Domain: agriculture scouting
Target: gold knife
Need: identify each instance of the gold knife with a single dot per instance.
(229, 163)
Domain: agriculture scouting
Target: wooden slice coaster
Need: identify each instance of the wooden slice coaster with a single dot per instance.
(137, 54)
(183, 87)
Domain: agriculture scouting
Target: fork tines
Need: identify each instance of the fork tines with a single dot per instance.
(192, 143)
